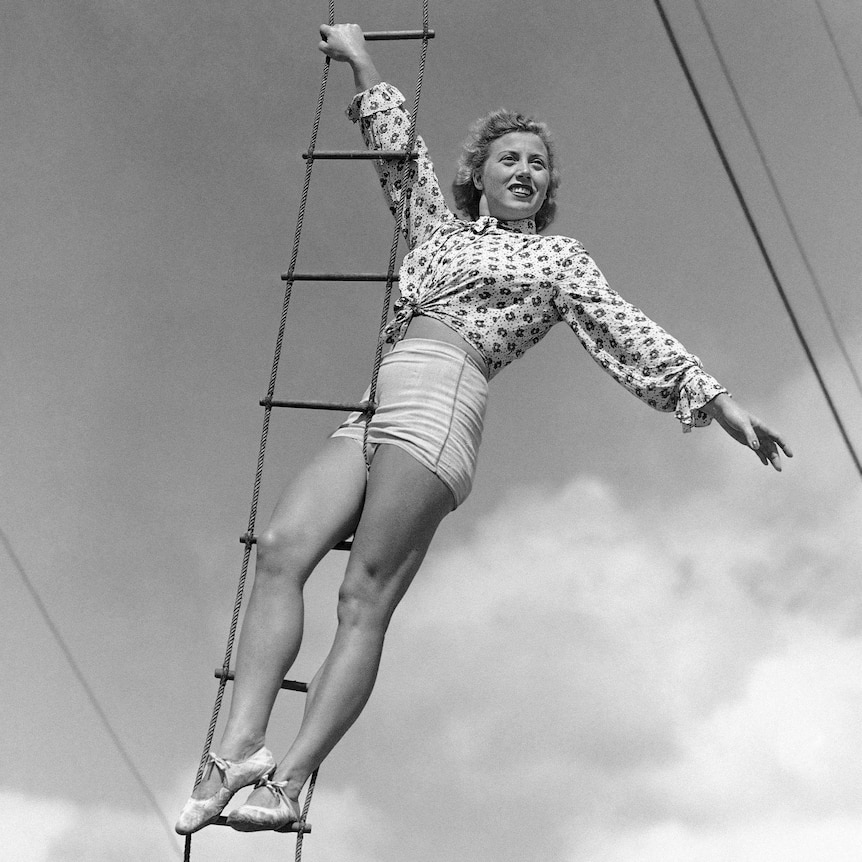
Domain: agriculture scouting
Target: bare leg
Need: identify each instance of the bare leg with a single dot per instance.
(319, 508)
(404, 505)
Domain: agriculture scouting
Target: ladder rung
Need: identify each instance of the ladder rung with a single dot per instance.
(289, 684)
(384, 35)
(360, 154)
(245, 539)
(348, 406)
(338, 276)
(221, 820)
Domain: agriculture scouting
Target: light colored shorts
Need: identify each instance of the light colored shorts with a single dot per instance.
(431, 402)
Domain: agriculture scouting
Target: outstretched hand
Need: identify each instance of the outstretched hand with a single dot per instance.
(748, 430)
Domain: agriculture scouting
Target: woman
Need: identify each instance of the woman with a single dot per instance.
(474, 296)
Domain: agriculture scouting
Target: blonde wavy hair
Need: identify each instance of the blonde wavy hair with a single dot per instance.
(474, 152)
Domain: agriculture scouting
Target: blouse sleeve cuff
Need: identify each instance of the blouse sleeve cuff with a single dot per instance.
(693, 394)
(380, 97)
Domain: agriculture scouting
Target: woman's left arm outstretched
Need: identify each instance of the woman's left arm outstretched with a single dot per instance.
(649, 362)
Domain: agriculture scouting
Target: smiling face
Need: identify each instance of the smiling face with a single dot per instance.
(514, 178)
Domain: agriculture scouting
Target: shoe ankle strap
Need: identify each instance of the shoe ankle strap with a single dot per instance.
(277, 788)
(219, 762)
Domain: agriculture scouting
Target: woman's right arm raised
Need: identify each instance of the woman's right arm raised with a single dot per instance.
(346, 44)
(378, 108)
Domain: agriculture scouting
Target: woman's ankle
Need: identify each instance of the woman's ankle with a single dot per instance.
(293, 783)
(237, 744)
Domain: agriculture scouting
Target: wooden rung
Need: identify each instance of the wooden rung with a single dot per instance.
(360, 154)
(387, 35)
(288, 684)
(245, 539)
(221, 820)
(347, 406)
(338, 276)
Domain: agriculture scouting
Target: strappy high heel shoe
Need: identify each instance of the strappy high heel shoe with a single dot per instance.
(256, 818)
(235, 774)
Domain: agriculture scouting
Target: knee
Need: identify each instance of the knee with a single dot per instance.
(363, 599)
(280, 551)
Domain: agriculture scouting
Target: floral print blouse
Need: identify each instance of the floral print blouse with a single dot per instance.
(501, 286)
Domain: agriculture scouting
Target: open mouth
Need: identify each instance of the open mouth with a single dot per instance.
(521, 191)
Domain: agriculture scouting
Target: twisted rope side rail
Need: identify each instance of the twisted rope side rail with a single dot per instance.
(403, 168)
(304, 816)
(265, 433)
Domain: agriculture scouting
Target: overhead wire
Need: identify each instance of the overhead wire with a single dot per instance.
(88, 690)
(838, 54)
(757, 237)
(824, 304)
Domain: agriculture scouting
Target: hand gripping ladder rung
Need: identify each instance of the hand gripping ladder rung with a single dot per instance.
(402, 159)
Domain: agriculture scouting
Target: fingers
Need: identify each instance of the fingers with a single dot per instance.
(773, 458)
(774, 455)
(341, 41)
(348, 31)
(325, 30)
(745, 427)
(771, 446)
(784, 447)
(327, 42)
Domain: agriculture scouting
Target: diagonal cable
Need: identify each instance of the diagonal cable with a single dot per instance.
(91, 695)
(841, 62)
(758, 239)
(824, 304)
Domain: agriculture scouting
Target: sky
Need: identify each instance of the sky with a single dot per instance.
(628, 645)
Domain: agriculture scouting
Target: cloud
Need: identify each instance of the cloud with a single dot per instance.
(790, 744)
(29, 827)
(834, 839)
(50, 829)
(55, 830)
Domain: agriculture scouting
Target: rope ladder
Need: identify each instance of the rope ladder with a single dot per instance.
(401, 159)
